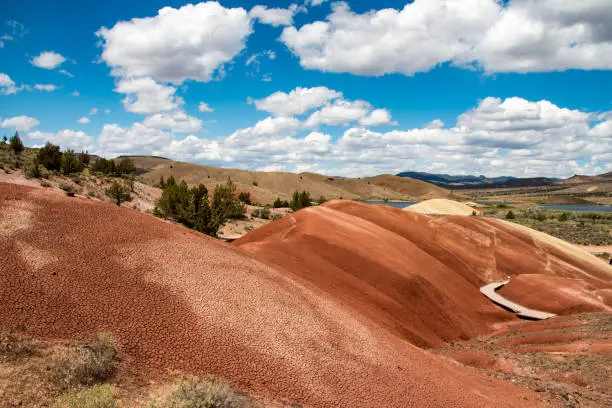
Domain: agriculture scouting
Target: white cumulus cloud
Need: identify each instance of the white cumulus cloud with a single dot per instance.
(275, 17)
(66, 139)
(20, 123)
(296, 102)
(191, 42)
(513, 36)
(84, 120)
(48, 60)
(178, 122)
(145, 96)
(203, 107)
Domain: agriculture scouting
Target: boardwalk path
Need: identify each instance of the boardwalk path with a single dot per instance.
(490, 291)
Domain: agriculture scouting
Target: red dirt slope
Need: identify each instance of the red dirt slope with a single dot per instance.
(415, 275)
(178, 300)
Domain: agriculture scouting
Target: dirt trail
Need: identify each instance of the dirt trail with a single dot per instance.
(177, 300)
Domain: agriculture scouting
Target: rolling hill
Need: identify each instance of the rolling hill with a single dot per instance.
(265, 187)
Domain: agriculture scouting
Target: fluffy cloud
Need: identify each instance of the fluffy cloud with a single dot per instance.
(510, 136)
(192, 42)
(115, 140)
(548, 35)
(20, 123)
(46, 87)
(48, 60)
(297, 102)
(203, 107)
(340, 112)
(378, 117)
(84, 120)
(315, 2)
(178, 122)
(517, 36)
(275, 17)
(145, 96)
(93, 111)
(66, 139)
(7, 85)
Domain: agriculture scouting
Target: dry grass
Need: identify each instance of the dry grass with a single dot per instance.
(86, 365)
(13, 348)
(193, 392)
(98, 396)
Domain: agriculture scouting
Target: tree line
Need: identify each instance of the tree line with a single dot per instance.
(194, 208)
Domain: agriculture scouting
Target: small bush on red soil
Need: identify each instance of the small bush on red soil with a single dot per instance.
(98, 396)
(13, 348)
(86, 365)
(208, 393)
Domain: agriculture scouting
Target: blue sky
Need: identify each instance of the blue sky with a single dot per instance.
(457, 86)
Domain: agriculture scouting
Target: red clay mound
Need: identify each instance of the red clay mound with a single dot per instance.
(181, 301)
(415, 275)
(556, 294)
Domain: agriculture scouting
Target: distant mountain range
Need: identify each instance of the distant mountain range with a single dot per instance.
(470, 181)
(448, 179)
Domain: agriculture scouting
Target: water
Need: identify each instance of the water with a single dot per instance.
(577, 208)
(396, 204)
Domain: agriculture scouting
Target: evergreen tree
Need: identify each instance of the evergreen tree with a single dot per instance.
(119, 193)
(69, 163)
(16, 144)
(126, 166)
(84, 158)
(162, 183)
(50, 157)
(4, 139)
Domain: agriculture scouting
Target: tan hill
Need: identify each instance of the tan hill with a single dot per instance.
(440, 206)
(566, 200)
(178, 301)
(265, 187)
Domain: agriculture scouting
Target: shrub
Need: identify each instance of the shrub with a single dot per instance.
(321, 200)
(255, 184)
(68, 188)
(563, 217)
(263, 213)
(300, 200)
(119, 193)
(69, 163)
(276, 217)
(98, 396)
(126, 166)
(50, 157)
(225, 205)
(84, 158)
(16, 144)
(210, 393)
(12, 348)
(103, 166)
(278, 203)
(86, 365)
(190, 207)
(162, 183)
(33, 170)
(510, 215)
(44, 183)
(245, 197)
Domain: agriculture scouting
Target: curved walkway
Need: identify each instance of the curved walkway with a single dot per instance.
(490, 291)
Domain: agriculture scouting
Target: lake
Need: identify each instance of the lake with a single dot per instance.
(396, 204)
(577, 208)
